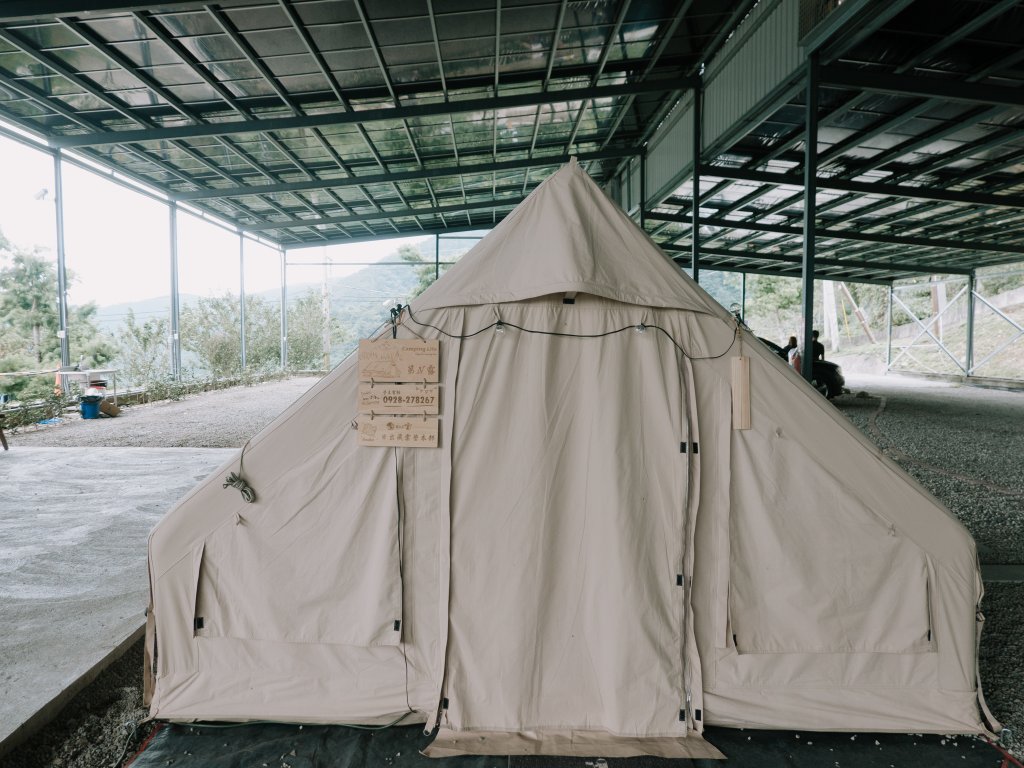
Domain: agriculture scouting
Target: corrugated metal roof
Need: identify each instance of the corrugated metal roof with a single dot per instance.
(321, 121)
(315, 121)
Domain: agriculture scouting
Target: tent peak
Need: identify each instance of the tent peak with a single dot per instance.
(567, 236)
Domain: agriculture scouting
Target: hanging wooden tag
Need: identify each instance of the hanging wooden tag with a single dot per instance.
(402, 431)
(393, 360)
(741, 393)
(399, 398)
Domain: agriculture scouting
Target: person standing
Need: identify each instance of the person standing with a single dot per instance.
(817, 348)
(796, 359)
(790, 345)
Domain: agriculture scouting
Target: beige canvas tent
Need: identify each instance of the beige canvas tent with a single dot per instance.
(594, 560)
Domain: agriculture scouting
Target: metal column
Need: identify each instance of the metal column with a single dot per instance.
(698, 97)
(175, 307)
(743, 296)
(241, 295)
(437, 256)
(810, 210)
(969, 361)
(888, 333)
(62, 274)
(284, 310)
(643, 188)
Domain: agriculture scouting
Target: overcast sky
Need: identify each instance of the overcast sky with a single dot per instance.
(117, 243)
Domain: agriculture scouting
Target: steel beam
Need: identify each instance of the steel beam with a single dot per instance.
(643, 188)
(25, 10)
(682, 8)
(384, 215)
(416, 233)
(842, 234)
(810, 200)
(284, 309)
(924, 87)
(48, 104)
(698, 143)
(386, 76)
(867, 188)
(969, 356)
(62, 274)
(810, 211)
(881, 15)
(1006, 342)
(388, 178)
(926, 330)
(888, 331)
(854, 264)
(774, 272)
(602, 60)
(364, 116)
(332, 81)
(925, 139)
(175, 346)
(241, 296)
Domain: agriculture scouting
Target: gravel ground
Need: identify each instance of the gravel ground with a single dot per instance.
(97, 728)
(963, 444)
(223, 418)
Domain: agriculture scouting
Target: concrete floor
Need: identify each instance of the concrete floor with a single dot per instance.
(73, 585)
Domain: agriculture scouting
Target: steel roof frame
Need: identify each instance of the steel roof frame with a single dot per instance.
(283, 181)
(387, 178)
(319, 171)
(961, 206)
(364, 116)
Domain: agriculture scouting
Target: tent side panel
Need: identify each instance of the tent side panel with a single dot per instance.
(846, 582)
(300, 591)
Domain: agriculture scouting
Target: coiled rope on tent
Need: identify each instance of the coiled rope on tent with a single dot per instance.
(237, 480)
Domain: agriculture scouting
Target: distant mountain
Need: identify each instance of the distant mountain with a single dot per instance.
(110, 317)
(360, 301)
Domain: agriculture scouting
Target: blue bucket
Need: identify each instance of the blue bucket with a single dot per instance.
(90, 410)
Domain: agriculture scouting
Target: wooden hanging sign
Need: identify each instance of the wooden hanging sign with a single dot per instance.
(403, 431)
(399, 360)
(399, 398)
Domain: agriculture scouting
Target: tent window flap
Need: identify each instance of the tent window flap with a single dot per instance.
(346, 588)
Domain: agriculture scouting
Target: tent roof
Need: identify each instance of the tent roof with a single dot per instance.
(566, 237)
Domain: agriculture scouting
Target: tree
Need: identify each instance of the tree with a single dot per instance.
(262, 334)
(305, 332)
(425, 270)
(28, 305)
(143, 353)
(210, 331)
(29, 322)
